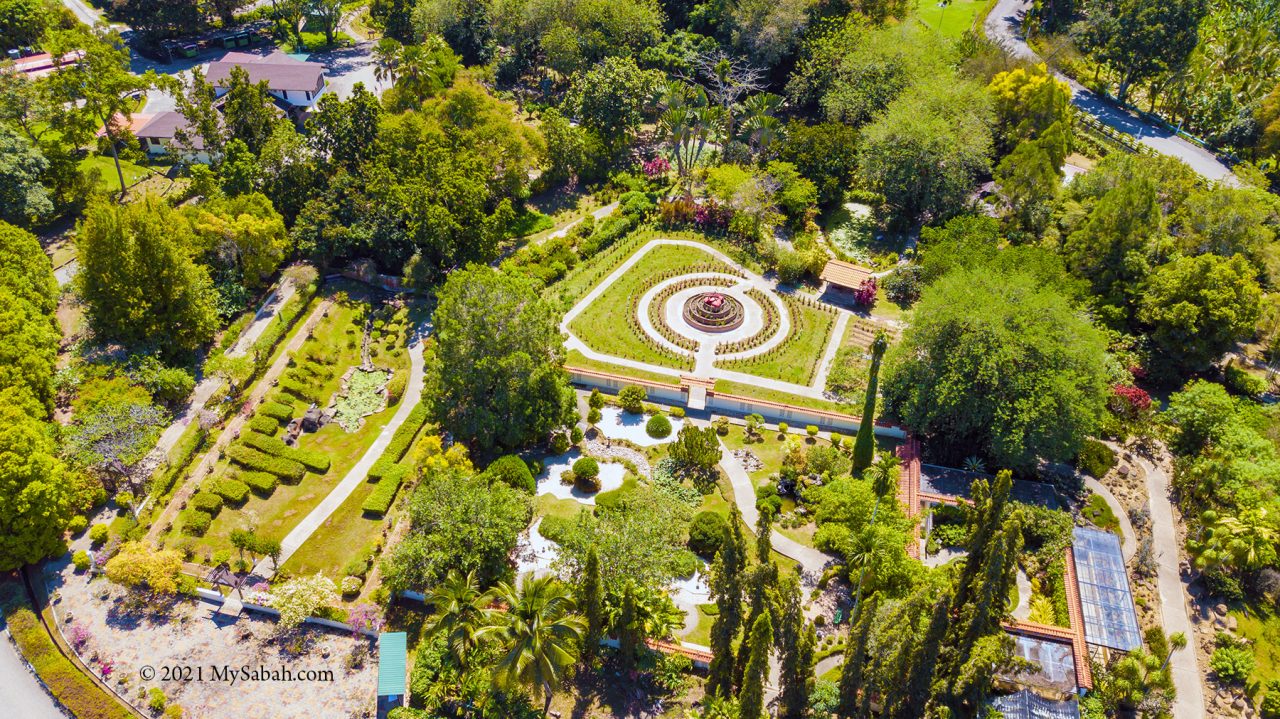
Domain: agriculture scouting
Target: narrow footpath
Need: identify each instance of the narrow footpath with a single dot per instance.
(1187, 676)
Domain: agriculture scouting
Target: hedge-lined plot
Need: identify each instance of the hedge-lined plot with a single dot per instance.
(278, 411)
(263, 425)
(260, 483)
(207, 502)
(286, 469)
(232, 490)
(317, 462)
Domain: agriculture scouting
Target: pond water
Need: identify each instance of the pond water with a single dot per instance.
(611, 475)
(616, 424)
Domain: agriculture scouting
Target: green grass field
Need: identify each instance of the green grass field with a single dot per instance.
(604, 327)
(106, 169)
(796, 359)
(1263, 629)
(951, 20)
(577, 359)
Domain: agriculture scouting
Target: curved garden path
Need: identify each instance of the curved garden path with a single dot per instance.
(357, 475)
(1187, 676)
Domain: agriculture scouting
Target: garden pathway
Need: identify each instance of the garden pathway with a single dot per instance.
(1004, 25)
(811, 560)
(232, 429)
(599, 214)
(1189, 703)
(705, 358)
(833, 346)
(360, 472)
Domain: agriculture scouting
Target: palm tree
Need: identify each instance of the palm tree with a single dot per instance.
(460, 609)
(538, 635)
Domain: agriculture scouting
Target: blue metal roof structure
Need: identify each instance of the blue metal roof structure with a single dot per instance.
(392, 654)
(1105, 597)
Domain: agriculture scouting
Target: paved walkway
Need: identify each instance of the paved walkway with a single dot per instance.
(358, 474)
(209, 386)
(20, 692)
(1004, 25)
(599, 214)
(1187, 676)
(1129, 539)
(232, 429)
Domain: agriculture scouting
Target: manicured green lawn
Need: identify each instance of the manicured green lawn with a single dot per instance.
(951, 20)
(797, 358)
(742, 389)
(577, 359)
(701, 634)
(347, 533)
(886, 309)
(604, 326)
(106, 168)
(529, 222)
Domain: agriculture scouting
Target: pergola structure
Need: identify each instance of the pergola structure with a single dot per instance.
(844, 275)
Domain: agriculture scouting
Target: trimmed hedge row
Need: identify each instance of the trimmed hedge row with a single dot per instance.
(379, 500)
(400, 442)
(317, 462)
(263, 424)
(66, 682)
(286, 469)
(278, 411)
(293, 387)
(232, 490)
(190, 442)
(194, 522)
(206, 502)
(262, 483)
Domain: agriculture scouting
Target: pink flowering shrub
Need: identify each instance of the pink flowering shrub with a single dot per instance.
(656, 167)
(865, 295)
(711, 215)
(79, 635)
(365, 617)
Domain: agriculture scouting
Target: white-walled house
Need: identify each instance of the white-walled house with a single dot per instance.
(295, 82)
(158, 135)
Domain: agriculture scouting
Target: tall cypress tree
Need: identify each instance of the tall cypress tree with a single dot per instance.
(751, 698)
(763, 579)
(853, 674)
(764, 535)
(864, 447)
(591, 602)
(726, 588)
(796, 640)
(628, 629)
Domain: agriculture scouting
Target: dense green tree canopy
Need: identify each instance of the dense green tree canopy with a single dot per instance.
(137, 280)
(999, 364)
(22, 196)
(458, 522)
(498, 364)
(1197, 307)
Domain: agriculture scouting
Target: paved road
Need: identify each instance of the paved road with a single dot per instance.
(1187, 676)
(20, 693)
(1004, 25)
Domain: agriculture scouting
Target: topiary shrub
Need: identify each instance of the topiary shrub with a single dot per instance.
(559, 443)
(811, 430)
(513, 472)
(207, 502)
(658, 427)
(81, 560)
(1095, 458)
(260, 483)
(586, 467)
(677, 412)
(706, 533)
(195, 523)
(98, 534)
(575, 435)
(77, 524)
(351, 586)
(631, 398)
